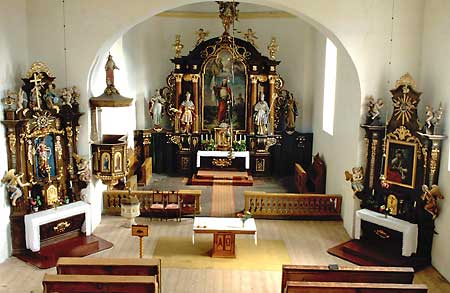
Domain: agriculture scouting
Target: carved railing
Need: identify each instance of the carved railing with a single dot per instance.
(112, 200)
(280, 205)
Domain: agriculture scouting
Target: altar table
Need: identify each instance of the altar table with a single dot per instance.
(408, 230)
(224, 230)
(224, 154)
(35, 220)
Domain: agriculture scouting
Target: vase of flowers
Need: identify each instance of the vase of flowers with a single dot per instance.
(244, 216)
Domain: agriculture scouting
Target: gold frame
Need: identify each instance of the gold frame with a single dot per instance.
(414, 169)
(216, 51)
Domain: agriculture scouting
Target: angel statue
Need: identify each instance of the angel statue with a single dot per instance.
(84, 174)
(430, 196)
(356, 178)
(14, 184)
(155, 107)
(432, 119)
(250, 36)
(20, 100)
(201, 35)
(373, 111)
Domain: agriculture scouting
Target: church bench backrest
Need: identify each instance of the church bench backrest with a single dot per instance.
(99, 283)
(301, 179)
(110, 266)
(344, 287)
(362, 274)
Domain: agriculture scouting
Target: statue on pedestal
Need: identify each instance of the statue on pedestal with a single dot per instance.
(432, 119)
(373, 111)
(187, 113)
(156, 108)
(261, 115)
(109, 68)
(290, 112)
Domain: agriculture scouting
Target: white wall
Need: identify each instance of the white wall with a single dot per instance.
(14, 62)
(435, 84)
(148, 49)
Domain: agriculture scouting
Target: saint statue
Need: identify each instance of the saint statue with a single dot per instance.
(156, 108)
(373, 111)
(43, 152)
(201, 35)
(109, 68)
(290, 112)
(250, 36)
(224, 97)
(261, 115)
(187, 113)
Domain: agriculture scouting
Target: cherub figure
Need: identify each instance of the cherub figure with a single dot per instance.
(51, 98)
(14, 184)
(201, 35)
(250, 36)
(20, 100)
(432, 119)
(430, 196)
(83, 168)
(75, 95)
(356, 178)
(373, 110)
(66, 96)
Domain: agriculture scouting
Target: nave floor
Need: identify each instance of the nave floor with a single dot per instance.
(305, 241)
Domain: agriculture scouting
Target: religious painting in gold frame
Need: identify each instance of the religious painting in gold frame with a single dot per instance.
(224, 74)
(401, 163)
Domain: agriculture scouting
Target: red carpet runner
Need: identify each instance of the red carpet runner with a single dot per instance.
(222, 199)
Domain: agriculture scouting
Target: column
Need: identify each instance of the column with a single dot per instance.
(178, 79)
(194, 78)
(94, 132)
(272, 79)
(253, 98)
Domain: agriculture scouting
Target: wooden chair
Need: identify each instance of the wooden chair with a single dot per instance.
(173, 204)
(157, 204)
(361, 274)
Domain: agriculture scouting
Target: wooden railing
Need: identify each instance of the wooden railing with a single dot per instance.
(112, 200)
(280, 205)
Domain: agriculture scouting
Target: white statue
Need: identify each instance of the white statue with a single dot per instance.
(261, 115)
(373, 111)
(187, 113)
(156, 108)
(432, 119)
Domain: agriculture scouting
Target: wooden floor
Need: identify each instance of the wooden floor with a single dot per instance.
(305, 241)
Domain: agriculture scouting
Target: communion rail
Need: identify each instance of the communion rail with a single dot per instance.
(281, 205)
(112, 200)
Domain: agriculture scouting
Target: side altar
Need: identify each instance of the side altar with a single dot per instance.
(224, 95)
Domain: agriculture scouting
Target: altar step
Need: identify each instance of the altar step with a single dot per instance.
(78, 246)
(210, 177)
(364, 253)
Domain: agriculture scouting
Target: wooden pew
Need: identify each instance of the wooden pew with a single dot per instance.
(110, 266)
(343, 287)
(360, 274)
(99, 283)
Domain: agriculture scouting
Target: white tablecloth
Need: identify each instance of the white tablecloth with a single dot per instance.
(213, 224)
(35, 220)
(224, 154)
(409, 230)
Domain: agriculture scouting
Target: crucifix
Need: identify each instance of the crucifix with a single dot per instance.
(37, 85)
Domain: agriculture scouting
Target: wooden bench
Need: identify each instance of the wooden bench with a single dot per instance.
(361, 274)
(110, 266)
(344, 287)
(99, 283)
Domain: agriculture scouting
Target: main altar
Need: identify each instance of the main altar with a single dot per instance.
(222, 100)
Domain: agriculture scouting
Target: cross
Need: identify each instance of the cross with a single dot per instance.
(37, 85)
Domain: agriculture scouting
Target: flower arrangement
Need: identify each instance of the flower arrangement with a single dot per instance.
(244, 216)
(239, 145)
(208, 144)
(35, 203)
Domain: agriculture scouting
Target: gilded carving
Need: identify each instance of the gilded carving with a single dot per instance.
(407, 80)
(38, 67)
(223, 162)
(12, 143)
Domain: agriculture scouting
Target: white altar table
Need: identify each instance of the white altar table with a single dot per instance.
(35, 220)
(408, 230)
(224, 154)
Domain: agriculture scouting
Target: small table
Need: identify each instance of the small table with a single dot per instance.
(408, 230)
(224, 230)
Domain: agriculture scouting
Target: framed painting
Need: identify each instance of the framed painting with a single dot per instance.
(106, 162)
(224, 88)
(401, 161)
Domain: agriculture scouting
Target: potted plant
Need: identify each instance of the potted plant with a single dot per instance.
(35, 203)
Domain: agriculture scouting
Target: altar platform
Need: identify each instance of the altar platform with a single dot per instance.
(210, 177)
